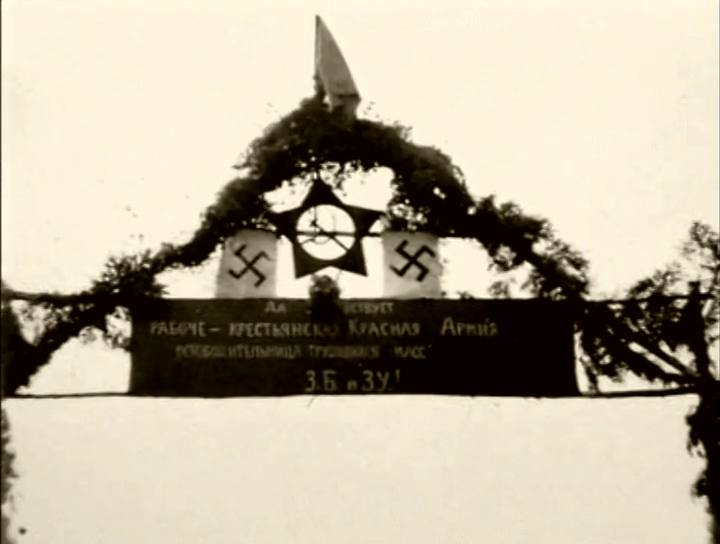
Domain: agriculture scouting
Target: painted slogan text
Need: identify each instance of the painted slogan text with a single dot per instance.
(272, 348)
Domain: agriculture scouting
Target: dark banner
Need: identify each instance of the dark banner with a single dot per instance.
(272, 347)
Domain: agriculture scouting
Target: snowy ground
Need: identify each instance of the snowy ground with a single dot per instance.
(380, 469)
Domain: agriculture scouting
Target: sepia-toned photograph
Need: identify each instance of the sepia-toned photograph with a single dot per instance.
(360, 272)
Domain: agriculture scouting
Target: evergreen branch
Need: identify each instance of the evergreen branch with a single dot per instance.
(57, 299)
(638, 337)
(638, 363)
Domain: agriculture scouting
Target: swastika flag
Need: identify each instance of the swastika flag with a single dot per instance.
(248, 267)
(411, 266)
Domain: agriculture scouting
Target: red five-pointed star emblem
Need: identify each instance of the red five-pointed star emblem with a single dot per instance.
(352, 258)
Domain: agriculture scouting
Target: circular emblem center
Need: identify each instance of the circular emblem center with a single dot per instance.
(326, 232)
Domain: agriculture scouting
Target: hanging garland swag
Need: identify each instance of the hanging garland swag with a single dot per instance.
(429, 194)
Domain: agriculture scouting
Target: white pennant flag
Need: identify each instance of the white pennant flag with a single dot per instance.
(411, 267)
(332, 71)
(248, 267)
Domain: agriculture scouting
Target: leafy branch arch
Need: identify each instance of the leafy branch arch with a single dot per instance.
(429, 194)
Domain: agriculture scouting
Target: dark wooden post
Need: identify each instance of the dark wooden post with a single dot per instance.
(705, 421)
(696, 333)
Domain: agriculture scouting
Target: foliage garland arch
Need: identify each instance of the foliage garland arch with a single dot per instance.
(429, 194)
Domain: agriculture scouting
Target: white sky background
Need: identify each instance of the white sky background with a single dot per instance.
(123, 118)
(120, 121)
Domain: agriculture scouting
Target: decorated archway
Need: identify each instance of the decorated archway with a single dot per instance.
(316, 148)
(429, 196)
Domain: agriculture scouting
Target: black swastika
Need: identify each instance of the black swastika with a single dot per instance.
(249, 265)
(412, 261)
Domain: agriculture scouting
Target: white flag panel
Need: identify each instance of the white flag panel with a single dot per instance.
(411, 265)
(248, 267)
